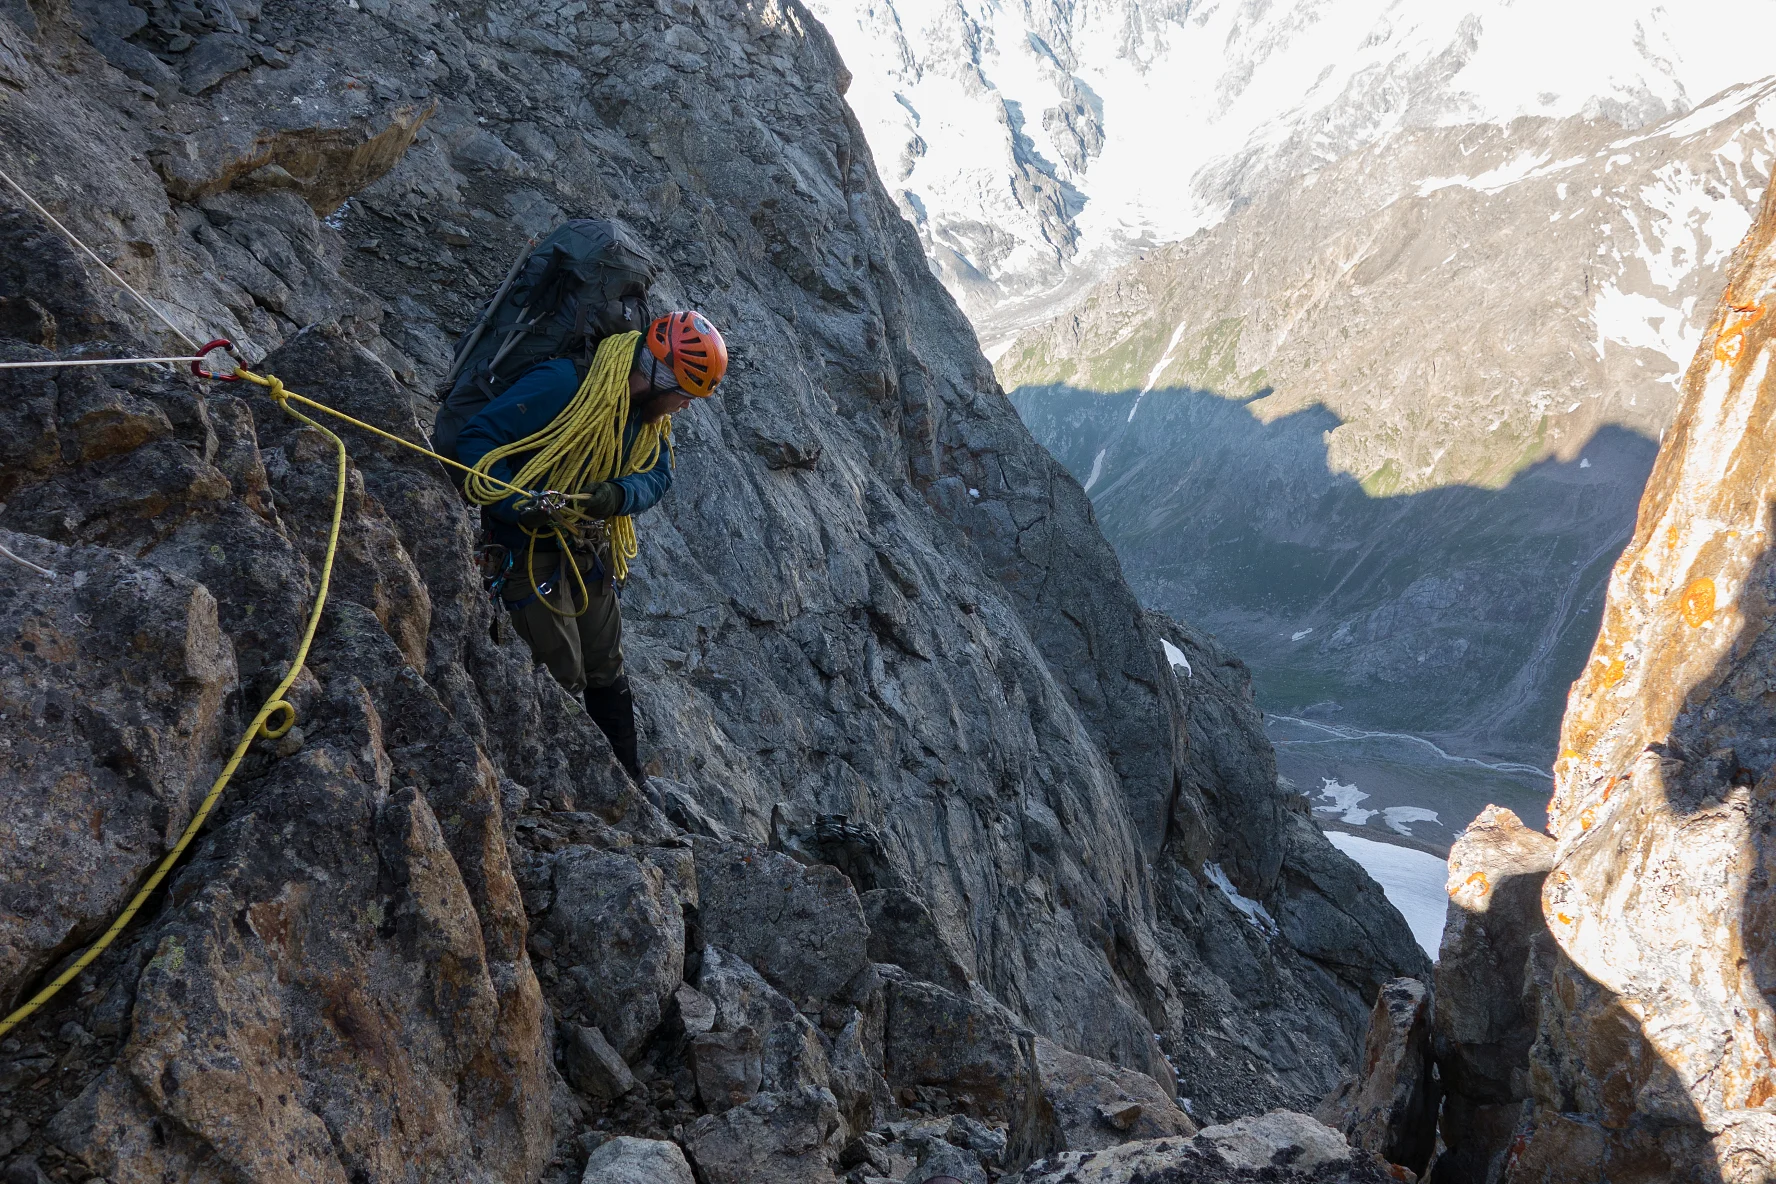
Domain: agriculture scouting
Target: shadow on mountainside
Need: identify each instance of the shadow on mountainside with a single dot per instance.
(1459, 613)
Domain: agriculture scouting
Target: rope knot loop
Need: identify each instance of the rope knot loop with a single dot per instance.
(271, 709)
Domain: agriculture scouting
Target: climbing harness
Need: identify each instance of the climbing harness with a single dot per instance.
(579, 448)
(276, 704)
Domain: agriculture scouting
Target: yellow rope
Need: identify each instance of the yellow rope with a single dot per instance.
(579, 448)
(259, 727)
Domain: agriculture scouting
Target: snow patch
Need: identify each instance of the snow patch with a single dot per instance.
(1097, 469)
(1646, 322)
(1399, 819)
(1413, 880)
(1158, 369)
(1344, 799)
(1254, 912)
(1176, 657)
(1303, 633)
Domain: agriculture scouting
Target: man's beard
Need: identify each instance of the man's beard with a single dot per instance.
(650, 407)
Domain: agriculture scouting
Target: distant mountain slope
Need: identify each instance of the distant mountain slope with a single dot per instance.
(1034, 144)
(1269, 415)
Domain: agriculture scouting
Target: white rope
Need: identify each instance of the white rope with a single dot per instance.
(146, 303)
(42, 571)
(93, 362)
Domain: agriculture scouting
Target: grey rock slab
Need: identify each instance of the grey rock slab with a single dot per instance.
(1276, 1148)
(213, 58)
(628, 1160)
(800, 926)
(902, 931)
(1279, 1138)
(618, 933)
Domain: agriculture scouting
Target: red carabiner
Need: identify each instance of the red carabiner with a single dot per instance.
(204, 352)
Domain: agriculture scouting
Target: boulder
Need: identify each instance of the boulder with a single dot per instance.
(790, 1137)
(1280, 1138)
(902, 931)
(969, 1046)
(617, 931)
(1485, 1014)
(815, 942)
(628, 1160)
(727, 1067)
(789, 1049)
(1098, 1105)
(1391, 1107)
(1277, 1147)
(592, 1066)
(941, 1158)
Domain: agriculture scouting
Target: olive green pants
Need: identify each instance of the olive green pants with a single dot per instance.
(581, 652)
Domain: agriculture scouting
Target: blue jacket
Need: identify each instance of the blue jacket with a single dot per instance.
(528, 406)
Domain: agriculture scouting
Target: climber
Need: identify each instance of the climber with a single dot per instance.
(681, 357)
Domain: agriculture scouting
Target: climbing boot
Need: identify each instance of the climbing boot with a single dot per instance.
(612, 708)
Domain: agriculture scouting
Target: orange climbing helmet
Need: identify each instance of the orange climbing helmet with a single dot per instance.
(690, 345)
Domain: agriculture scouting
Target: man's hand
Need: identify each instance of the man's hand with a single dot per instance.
(604, 500)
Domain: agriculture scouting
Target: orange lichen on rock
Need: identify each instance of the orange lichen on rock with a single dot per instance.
(1698, 602)
(1476, 881)
(1738, 321)
(1614, 672)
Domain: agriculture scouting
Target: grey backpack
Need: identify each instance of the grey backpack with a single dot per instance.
(587, 280)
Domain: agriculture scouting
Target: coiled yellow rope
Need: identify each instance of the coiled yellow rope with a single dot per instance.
(579, 448)
(259, 727)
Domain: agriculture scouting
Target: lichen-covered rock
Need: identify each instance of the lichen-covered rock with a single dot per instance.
(1391, 1107)
(114, 682)
(1657, 1023)
(1280, 1146)
(626, 1160)
(1486, 1009)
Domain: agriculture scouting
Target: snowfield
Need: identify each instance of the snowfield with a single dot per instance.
(1023, 139)
(1412, 879)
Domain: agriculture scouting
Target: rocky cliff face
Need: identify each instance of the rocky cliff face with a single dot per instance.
(1654, 1043)
(936, 829)
(1439, 367)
